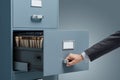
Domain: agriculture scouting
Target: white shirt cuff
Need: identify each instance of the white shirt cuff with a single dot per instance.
(85, 56)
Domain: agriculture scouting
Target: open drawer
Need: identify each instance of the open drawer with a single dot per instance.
(55, 46)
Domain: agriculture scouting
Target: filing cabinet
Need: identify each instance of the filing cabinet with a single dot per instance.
(34, 47)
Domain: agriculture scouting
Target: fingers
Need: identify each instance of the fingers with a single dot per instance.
(73, 59)
(69, 57)
(71, 63)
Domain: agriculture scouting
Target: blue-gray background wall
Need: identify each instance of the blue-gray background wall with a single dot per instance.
(100, 18)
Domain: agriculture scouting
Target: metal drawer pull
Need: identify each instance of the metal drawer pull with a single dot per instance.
(65, 61)
(36, 18)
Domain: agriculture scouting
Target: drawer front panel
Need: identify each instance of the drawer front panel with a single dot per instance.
(25, 15)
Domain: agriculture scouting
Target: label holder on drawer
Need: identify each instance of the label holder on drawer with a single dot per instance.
(68, 44)
(36, 3)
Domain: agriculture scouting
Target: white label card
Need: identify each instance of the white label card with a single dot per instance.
(36, 3)
(68, 44)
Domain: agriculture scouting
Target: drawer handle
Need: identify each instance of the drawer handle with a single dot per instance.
(65, 61)
(36, 18)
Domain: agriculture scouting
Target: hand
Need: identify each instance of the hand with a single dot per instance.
(73, 59)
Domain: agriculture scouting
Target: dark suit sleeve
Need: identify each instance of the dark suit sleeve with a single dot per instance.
(110, 43)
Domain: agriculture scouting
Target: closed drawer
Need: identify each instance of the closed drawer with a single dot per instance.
(22, 12)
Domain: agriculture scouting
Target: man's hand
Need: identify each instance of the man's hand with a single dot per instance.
(73, 59)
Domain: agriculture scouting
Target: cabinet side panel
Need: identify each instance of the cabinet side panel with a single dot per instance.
(5, 40)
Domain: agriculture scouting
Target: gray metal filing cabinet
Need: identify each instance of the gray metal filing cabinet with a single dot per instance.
(34, 47)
